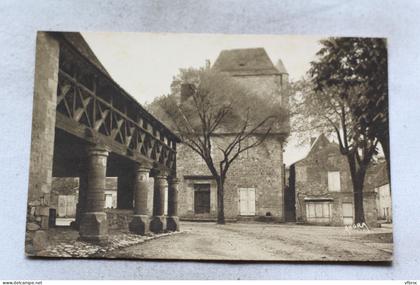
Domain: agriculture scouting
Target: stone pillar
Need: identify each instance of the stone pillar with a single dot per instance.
(94, 225)
(42, 142)
(141, 220)
(172, 223)
(158, 223)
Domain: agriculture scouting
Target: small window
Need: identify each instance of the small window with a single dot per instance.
(334, 184)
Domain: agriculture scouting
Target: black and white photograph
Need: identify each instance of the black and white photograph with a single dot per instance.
(220, 147)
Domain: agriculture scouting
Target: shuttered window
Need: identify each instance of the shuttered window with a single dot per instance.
(334, 183)
(247, 201)
(318, 212)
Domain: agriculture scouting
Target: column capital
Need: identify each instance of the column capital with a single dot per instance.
(161, 174)
(100, 150)
(143, 167)
(173, 180)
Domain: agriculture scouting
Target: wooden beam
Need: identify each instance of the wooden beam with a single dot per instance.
(74, 128)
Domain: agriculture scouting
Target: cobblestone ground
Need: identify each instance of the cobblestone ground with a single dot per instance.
(253, 241)
(64, 242)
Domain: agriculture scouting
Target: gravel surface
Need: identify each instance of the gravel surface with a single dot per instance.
(257, 241)
(65, 242)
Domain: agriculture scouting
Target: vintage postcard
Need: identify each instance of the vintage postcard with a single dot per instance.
(210, 147)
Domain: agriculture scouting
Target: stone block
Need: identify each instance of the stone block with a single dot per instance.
(172, 224)
(158, 224)
(119, 219)
(94, 227)
(29, 249)
(34, 203)
(140, 225)
(32, 211)
(44, 222)
(32, 227)
(40, 240)
(42, 211)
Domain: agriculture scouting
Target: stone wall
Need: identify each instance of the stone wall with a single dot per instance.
(119, 219)
(262, 85)
(259, 168)
(42, 143)
(267, 85)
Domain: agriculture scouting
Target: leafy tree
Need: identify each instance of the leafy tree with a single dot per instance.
(346, 95)
(328, 112)
(359, 65)
(215, 105)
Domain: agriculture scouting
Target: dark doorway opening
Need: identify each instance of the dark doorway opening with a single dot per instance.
(202, 198)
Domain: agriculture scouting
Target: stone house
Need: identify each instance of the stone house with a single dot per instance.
(322, 188)
(254, 186)
(378, 180)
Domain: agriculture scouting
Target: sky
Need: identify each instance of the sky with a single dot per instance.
(144, 64)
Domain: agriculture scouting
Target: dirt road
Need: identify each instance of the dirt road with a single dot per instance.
(252, 241)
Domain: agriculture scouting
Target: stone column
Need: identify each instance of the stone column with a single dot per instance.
(172, 223)
(158, 223)
(94, 225)
(42, 142)
(141, 220)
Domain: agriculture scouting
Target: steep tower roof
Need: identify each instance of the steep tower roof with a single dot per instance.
(250, 61)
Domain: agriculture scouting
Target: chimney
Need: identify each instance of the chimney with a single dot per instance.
(187, 90)
(280, 67)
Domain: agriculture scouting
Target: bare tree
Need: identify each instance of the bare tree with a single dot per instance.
(216, 105)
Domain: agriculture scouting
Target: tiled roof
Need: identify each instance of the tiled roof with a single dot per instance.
(79, 43)
(250, 61)
(320, 142)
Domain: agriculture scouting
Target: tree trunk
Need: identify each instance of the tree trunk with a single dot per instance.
(359, 213)
(220, 204)
(357, 178)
